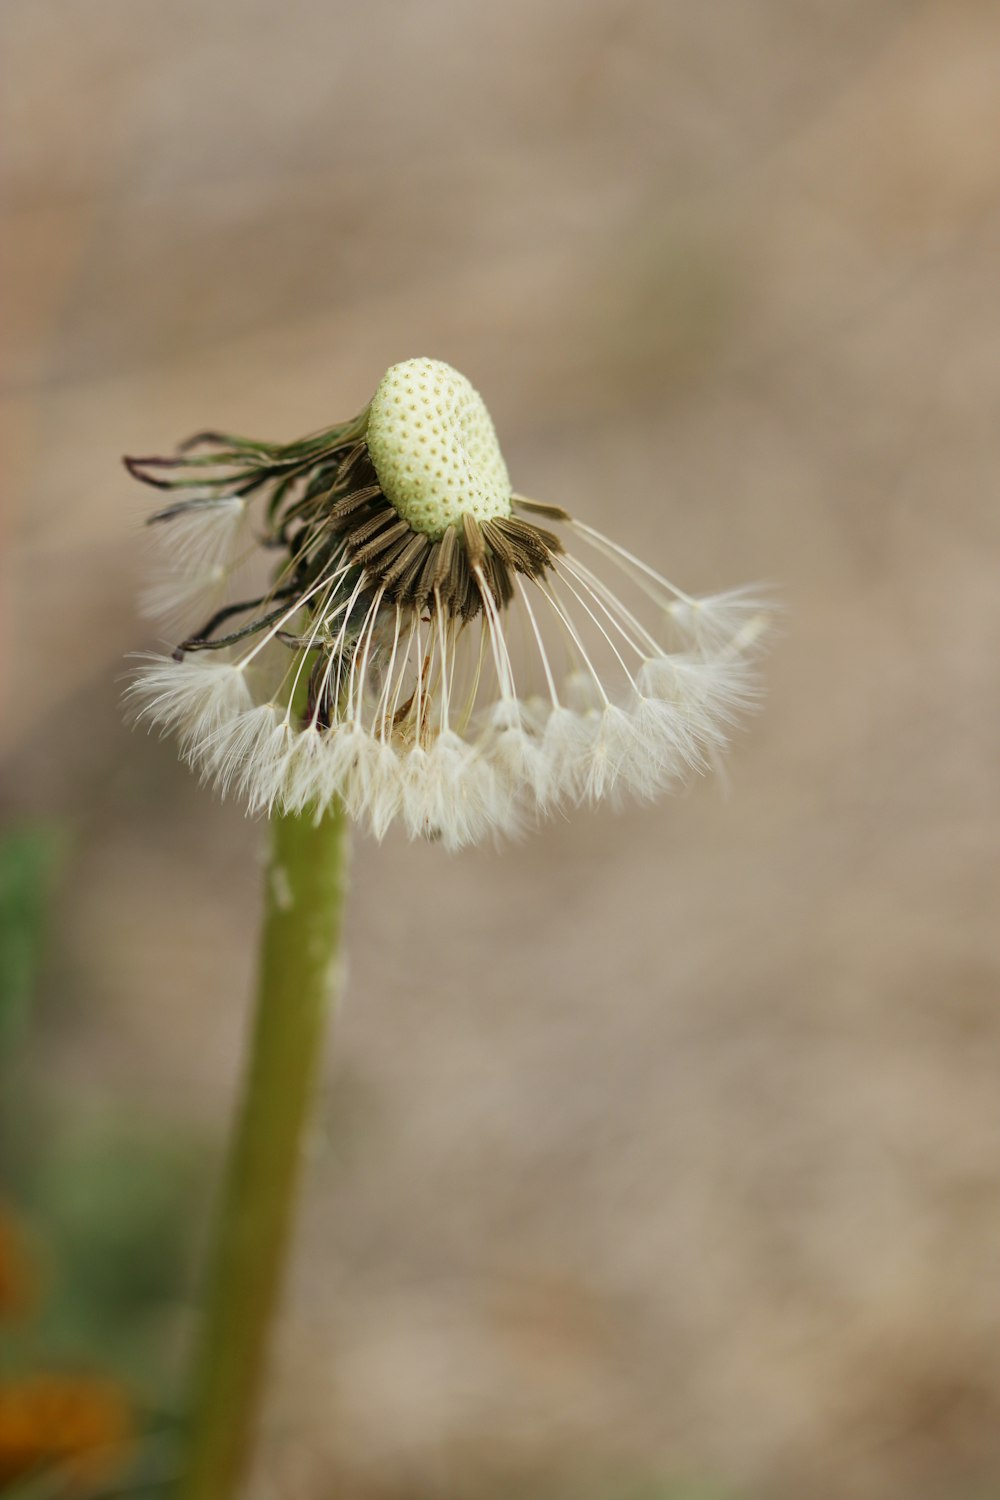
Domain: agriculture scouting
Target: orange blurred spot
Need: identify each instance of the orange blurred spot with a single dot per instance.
(80, 1424)
(18, 1283)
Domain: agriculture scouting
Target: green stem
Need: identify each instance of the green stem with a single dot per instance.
(299, 973)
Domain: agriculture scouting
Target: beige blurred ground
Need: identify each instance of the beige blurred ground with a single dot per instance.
(668, 1142)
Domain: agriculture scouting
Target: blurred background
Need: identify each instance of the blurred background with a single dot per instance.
(658, 1156)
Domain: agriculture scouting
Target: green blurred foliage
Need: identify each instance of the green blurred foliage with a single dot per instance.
(109, 1206)
(113, 1211)
(110, 1202)
(29, 858)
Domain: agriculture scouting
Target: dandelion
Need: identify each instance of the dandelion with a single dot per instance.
(389, 631)
(416, 640)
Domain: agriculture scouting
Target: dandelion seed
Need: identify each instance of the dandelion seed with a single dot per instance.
(429, 646)
(199, 545)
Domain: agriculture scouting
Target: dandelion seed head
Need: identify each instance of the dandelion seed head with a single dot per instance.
(435, 449)
(393, 629)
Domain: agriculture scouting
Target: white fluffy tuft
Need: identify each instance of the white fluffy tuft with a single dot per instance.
(197, 552)
(192, 698)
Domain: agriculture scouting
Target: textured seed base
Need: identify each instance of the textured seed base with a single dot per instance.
(435, 449)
